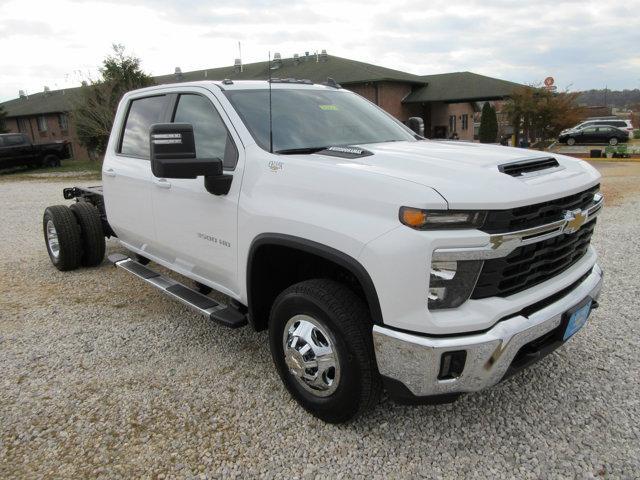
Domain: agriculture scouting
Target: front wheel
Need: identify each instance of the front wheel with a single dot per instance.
(320, 340)
(571, 141)
(613, 141)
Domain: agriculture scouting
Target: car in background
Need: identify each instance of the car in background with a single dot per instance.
(594, 134)
(16, 150)
(624, 125)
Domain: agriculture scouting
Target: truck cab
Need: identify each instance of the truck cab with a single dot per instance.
(374, 257)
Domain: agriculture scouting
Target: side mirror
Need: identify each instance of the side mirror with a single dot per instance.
(417, 125)
(173, 153)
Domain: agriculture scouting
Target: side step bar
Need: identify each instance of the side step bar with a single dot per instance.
(218, 312)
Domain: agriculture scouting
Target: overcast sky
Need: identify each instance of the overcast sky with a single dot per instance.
(583, 44)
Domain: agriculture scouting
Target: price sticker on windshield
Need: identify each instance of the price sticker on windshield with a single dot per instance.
(328, 107)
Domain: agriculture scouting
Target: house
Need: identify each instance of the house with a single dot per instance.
(448, 103)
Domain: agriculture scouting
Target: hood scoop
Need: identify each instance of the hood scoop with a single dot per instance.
(528, 168)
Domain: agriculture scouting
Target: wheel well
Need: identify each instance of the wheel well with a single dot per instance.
(278, 262)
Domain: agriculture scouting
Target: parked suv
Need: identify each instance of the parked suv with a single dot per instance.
(624, 125)
(374, 258)
(602, 134)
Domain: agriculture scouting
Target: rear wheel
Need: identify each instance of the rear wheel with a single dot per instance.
(93, 243)
(613, 141)
(571, 141)
(51, 160)
(62, 237)
(320, 340)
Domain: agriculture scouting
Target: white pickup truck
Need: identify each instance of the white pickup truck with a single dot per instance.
(375, 258)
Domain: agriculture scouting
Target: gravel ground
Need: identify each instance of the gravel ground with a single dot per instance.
(104, 377)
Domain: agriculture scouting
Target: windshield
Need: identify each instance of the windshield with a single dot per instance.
(311, 119)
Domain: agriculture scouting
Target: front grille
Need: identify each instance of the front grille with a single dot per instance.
(532, 264)
(521, 218)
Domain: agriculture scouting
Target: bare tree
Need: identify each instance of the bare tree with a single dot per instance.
(541, 114)
(98, 100)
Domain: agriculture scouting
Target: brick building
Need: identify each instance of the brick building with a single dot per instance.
(448, 103)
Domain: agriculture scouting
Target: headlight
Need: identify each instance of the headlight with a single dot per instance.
(440, 219)
(451, 282)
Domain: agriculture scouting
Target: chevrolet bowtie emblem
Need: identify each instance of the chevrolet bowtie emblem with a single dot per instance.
(575, 219)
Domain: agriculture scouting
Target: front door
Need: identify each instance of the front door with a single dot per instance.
(196, 230)
(126, 175)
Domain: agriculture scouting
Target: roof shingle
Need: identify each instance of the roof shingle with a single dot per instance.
(461, 86)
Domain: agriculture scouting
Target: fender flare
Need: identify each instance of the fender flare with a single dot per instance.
(328, 253)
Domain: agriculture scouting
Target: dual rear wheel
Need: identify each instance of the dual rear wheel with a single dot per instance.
(74, 235)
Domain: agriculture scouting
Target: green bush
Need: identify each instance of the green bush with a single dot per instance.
(636, 134)
(488, 132)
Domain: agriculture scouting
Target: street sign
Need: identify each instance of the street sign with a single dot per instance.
(548, 82)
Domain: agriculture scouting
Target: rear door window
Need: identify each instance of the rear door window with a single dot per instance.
(143, 112)
(211, 136)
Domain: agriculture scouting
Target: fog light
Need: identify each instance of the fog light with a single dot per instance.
(451, 282)
(452, 364)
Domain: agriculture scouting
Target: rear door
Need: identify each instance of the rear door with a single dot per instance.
(588, 135)
(126, 174)
(196, 230)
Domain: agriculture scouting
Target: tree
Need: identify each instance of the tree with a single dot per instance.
(488, 132)
(3, 118)
(98, 101)
(537, 113)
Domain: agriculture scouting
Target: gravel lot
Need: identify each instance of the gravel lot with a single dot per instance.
(104, 377)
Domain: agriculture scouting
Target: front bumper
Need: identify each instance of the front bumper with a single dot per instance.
(413, 361)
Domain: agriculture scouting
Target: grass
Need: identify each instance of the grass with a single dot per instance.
(85, 169)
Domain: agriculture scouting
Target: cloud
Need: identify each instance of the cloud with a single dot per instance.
(585, 43)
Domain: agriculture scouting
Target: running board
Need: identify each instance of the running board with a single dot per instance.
(218, 312)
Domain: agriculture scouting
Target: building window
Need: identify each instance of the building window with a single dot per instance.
(23, 125)
(465, 122)
(63, 121)
(42, 123)
(452, 124)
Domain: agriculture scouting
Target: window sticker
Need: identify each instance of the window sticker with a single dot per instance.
(328, 107)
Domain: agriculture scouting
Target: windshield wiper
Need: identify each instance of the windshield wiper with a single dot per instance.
(291, 151)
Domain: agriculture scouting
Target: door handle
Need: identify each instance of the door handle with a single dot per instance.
(109, 172)
(162, 183)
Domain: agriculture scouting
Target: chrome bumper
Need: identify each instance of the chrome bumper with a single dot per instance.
(415, 360)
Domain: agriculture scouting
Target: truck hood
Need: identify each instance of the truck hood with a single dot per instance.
(467, 174)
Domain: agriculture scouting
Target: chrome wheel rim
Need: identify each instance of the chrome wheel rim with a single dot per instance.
(52, 239)
(310, 355)
(613, 141)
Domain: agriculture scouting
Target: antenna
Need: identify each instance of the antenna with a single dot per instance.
(270, 117)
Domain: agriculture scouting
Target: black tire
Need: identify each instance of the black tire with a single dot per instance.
(613, 141)
(67, 232)
(347, 321)
(93, 243)
(571, 141)
(51, 160)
